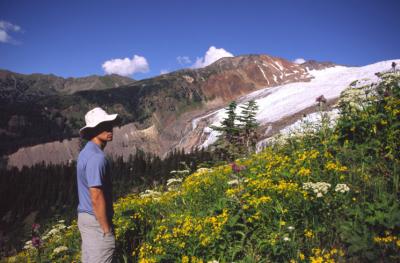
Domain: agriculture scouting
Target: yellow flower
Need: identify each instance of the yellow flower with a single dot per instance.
(313, 154)
(304, 171)
(181, 244)
(308, 233)
(331, 166)
(385, 240)
(317, 260)
(185, 259)
(316, 251)
(232, 192)
(205, 240)
(196, 260)
(328, 155)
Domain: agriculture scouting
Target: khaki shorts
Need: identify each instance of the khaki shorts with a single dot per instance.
(96, 247)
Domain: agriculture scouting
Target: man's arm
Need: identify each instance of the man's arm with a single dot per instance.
(99, 208)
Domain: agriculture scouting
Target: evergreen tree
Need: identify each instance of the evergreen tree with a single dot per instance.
(238, 134)
(226, 144)
(248, 127)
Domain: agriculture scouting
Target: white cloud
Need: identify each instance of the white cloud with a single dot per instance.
(5, 29)
(164, 71)
(3, 36)
(183, 60)
(212, 55)
(299, 60)
(126, 66)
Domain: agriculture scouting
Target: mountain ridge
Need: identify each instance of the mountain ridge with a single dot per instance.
(17, 87)
(164, 105)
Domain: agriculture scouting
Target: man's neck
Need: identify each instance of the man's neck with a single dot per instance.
(100, 143)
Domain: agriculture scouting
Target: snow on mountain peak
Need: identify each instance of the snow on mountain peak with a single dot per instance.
(286, 100)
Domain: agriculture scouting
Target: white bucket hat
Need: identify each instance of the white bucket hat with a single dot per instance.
(94, 117)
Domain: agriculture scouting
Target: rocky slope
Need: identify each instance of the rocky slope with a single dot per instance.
(15, 87)
(157, 113)
(26, 121)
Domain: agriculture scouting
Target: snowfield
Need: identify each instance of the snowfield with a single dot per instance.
(285, 100)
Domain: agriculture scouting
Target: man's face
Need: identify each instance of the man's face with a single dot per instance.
(106, 133)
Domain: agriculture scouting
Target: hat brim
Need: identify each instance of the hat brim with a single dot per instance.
(111, 117)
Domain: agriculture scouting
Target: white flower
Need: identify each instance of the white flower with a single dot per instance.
(60, 249)
(233, 182)
(174, 180)
(150, 193)
(203, 170)
(319, 188)
(290, 228)
(28, 244)
(61, 226)
(286, 239)
(53, 232)
(28, 247)
(342, 188)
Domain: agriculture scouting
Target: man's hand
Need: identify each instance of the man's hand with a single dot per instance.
(99, 208)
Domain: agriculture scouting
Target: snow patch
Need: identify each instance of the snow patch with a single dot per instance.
(309, 121)
(279, 65)
(262, 71)
(285, 100)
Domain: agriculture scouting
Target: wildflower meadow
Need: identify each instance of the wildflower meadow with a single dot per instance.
(330, 194)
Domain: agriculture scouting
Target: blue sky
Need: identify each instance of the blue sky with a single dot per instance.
(143, 38)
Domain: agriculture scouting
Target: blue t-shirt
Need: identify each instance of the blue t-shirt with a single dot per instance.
(93, 171)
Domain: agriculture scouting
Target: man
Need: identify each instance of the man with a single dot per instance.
(95, 209)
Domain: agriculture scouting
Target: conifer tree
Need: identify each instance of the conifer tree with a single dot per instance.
(226, 144)
(248, 127)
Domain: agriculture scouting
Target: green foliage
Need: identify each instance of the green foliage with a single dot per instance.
(226, 145)
(238, 134)
(367, 220)
(248, 126)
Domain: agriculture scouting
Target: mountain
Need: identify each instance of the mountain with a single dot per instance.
(285, 104)
(15, 87)
(156, 113)
(25, 121)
